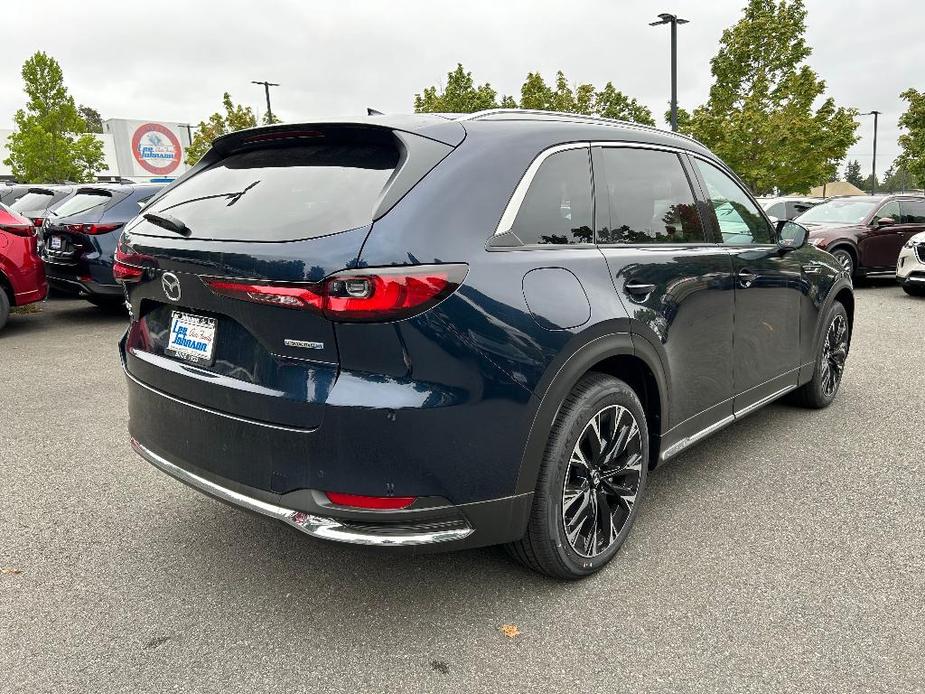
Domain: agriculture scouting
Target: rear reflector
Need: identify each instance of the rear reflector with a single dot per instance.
(381, 294)
(381, 503)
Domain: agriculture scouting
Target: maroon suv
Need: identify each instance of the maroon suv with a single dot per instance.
(865, 232)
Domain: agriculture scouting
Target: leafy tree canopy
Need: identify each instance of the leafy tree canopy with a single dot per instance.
(236, 117)
(92, 118)
(462, 95)
(912, 158)
(853, 173)
(760, 116)
(51, 142)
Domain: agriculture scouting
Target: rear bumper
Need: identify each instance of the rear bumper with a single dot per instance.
(74, 284)
(237, 461)
(383, 535)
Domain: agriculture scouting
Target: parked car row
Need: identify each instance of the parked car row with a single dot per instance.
(63, 236)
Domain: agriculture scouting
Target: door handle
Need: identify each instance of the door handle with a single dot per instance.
(638, 288)
(746, 277)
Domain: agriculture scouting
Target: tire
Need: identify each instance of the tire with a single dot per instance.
(821, 390)
(4, 307)
(913, 291)
(600, 482)
(845, 260)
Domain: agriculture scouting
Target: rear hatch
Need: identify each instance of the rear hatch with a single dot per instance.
(69, 230)
(264, 207)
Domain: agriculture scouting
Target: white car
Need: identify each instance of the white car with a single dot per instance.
(910, 267)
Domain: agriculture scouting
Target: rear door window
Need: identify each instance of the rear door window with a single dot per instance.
(557, 208)
(913, 211)
(650, 198)
(282, 193)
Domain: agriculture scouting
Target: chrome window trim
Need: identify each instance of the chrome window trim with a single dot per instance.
(506, 224)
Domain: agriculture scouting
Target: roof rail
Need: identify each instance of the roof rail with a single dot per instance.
(562, 115)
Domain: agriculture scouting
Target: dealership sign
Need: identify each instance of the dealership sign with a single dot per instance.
(156, 148)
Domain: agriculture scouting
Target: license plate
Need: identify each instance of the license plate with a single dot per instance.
(55, 243)
(192, 338)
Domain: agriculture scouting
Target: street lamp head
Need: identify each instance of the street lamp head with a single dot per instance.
(666, 18)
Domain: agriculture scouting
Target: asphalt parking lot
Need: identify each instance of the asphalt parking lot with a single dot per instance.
(785, 554)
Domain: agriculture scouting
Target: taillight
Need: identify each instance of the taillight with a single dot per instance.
(128, 267)
(355, 295)
(25, 230)
(91, 229)
(379, 503)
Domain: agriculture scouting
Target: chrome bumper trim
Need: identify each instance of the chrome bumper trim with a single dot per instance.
(316, 526)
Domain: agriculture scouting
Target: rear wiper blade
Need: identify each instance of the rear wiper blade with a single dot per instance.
(166, 221)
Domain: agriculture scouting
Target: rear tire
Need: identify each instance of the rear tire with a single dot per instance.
(913, 291)
(4, 307)
(830, 361)
(591, 481)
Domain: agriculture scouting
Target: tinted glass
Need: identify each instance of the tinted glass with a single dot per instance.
(81, 202)
(32, 201)
(890, 210)
(283, 193)
(913, 211)
(650, 198)
(778, 209)
(739, 219)
(557, 207)
(839, 211)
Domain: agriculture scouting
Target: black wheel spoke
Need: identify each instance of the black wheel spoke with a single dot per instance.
(602, 480)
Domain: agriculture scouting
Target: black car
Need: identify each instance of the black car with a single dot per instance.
(447, 332)
(38, 201)
(11, 192)
(80, 237)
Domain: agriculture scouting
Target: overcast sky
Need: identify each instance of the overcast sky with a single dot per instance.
(171, 60)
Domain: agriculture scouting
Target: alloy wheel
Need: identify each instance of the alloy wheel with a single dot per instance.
(834, 353)
(845, 261)
(602, 480)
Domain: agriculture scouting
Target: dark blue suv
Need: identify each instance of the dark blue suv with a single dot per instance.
(80, 237)
(453, 331)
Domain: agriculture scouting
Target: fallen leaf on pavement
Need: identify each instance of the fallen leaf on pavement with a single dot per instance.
(510, 630)
(9, 570)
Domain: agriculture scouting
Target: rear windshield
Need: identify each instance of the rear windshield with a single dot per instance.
(282, 193)
(82, 202)
(32, 201)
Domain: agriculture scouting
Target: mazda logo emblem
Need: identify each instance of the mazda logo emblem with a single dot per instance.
(171, 284)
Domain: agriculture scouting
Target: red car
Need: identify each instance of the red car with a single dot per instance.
(22, 274)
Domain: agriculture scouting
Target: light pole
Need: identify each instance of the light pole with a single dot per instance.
(266, 88)
(673, 20)
(873, 178)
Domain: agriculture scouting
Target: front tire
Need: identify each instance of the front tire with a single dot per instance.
(590, 483)
(845, 260)
(830, 361)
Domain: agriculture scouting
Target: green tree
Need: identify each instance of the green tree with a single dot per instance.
(92, 118)
(761, 116)
(912, 158)
(461, 95)
(853, 173)
(236, 117)
(51, 142)
(897, 179)
(609, 102)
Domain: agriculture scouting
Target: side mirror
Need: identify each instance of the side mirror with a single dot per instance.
(884, 221)
(791, 236)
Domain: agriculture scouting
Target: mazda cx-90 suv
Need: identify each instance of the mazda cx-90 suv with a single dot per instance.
(865, 232)
(454, 331)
